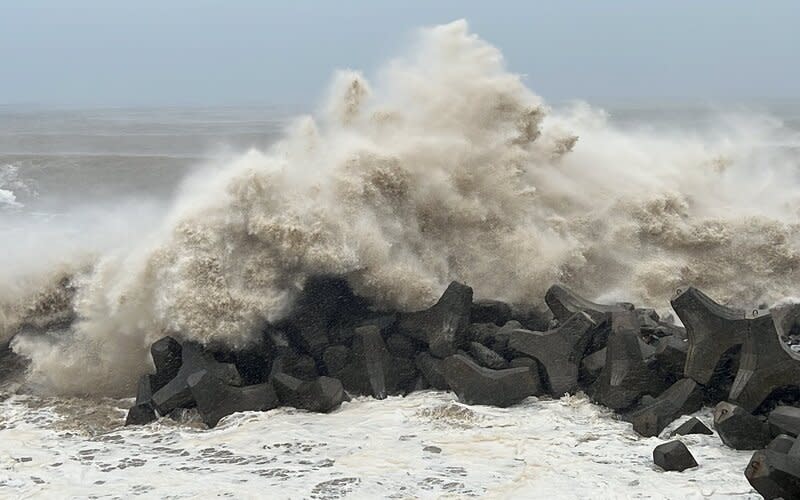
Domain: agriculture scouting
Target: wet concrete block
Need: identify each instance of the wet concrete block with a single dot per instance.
(591, 366)
(490, 311)
(443, 327)
(176, 394)
(784, 420)
(774, 474)
(402, 346)
(475, 384)
(739, 429)
(494, 337)
(533, 366)
(252, 362)
(653, 327)
(782, 443)
(381, 373)
(144, 391)
(322, 395)
(166, 354)
(684, 396)
(532, 317)
(487, 357)
(371, 353)
(324, 303)
(673, 456)
(216, 399)
(564, 303)
(301, 366)
(712, 329)
(670, 355)
(767, 364)
(432, 369)
(558, 351)
(140, 414)
(692, 426)
(627, 374)
(336, 358)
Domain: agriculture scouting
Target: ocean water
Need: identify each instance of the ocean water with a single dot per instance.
(119, 225)
(426, 445)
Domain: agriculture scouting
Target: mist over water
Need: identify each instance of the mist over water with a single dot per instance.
(443, 166)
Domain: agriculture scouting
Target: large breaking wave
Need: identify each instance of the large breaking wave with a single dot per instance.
(444, 167)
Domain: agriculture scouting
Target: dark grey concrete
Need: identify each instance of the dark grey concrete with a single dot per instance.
(475, 384)
(673, 456)
(324, 303)
(373, 358)
(766, 364)
(144, 391)
(443, 327)
(487, 357)
(558, 351)
(591, 367)
(627, 374)
(297, 365)
(670, 355)
(774, 474)
(336, 358)
(692, 426)
(712, 330)
(166, 354)
(782, 443)
(140, 414)
(432, 369)
(322, 395)
(739, 429)
(216, 399)
(176, 393)
(402, 346)
(490, 311)
(564, 303)
(785, 420)
(684, 396)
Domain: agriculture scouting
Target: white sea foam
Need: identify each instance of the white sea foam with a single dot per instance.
(9, 181)
(423, 446)
(444, 166)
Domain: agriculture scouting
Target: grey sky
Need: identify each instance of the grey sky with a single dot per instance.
(237, 52)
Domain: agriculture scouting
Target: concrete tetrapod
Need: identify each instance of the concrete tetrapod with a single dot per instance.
(177, 394)
(673, 456)
(166, 354)
(432, 369)
(563, 302)
(626, 376)
(443, 326)
(766, 363)
(475, 384)
(558, 351)
(692, 426)
(683, 397)
(774, 474)
(322, 395)
(784, 420)
(739, 429)
(712, 329)
(216, 399)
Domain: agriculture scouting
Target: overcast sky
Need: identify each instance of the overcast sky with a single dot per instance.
(157, 52)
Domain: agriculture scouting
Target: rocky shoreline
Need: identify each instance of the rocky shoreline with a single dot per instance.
(648, 370)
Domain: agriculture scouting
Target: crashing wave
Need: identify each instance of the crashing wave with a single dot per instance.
(444, 167)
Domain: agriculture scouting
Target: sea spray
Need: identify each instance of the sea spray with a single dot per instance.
(444, 167)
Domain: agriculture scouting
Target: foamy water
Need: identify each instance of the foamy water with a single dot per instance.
(426, 445)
